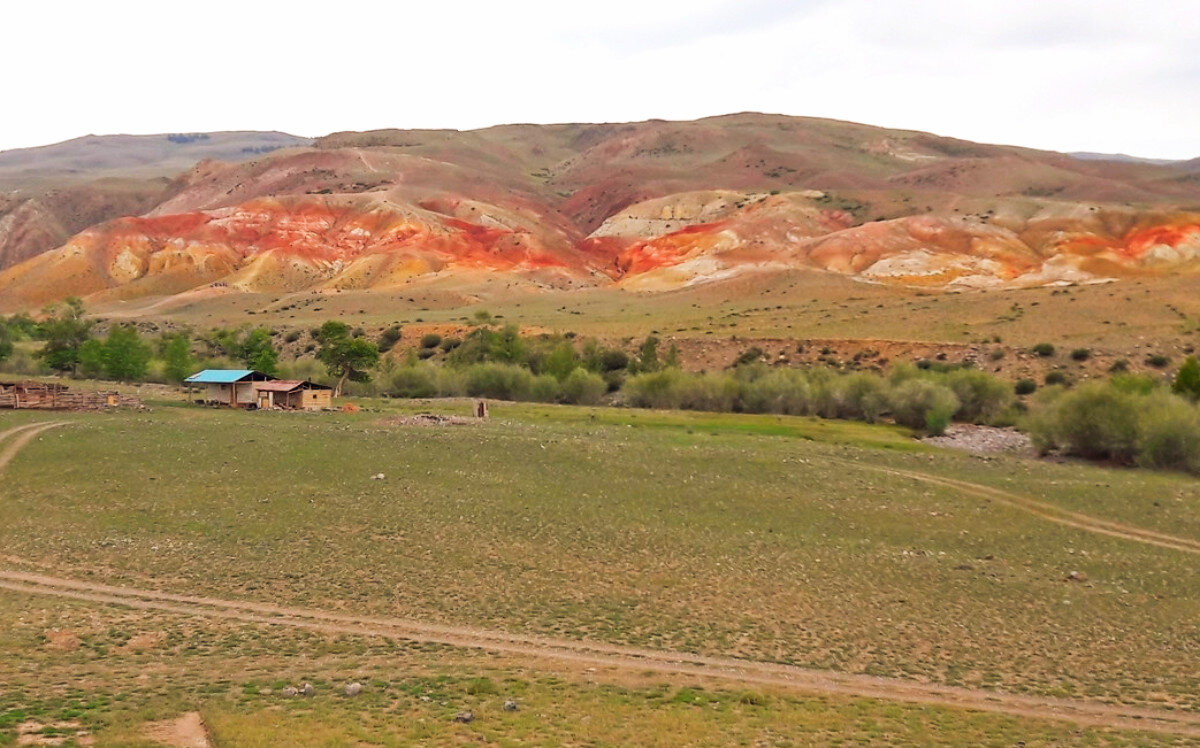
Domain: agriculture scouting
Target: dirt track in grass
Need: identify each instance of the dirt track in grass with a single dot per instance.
(1044, 510)
(729, 670)
(670, 663)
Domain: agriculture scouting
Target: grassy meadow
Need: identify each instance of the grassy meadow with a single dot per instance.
(763, 537)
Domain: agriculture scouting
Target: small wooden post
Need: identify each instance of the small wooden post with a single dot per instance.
(481, 409)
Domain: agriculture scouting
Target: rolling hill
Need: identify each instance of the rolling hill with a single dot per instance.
(646, 206)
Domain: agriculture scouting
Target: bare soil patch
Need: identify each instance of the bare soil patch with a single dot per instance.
(185, 731)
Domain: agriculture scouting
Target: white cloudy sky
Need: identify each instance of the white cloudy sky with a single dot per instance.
(1097, 75)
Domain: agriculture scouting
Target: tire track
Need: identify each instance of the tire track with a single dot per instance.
(1042, 509)
(729, 670)
(26, 434)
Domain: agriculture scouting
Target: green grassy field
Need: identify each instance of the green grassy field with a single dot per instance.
(762, 537)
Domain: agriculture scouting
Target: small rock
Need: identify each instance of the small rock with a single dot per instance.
(510, 706)
(426, 699)
(353, 689)
(377, 476)
(289, 692)
(1077, 576)
(964, 567)
(264, 692)
(307, 689)
(465, 717)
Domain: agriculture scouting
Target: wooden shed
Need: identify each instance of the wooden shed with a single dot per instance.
(294, 394)
(233, 388)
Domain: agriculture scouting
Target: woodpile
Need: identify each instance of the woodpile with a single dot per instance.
(43, 396)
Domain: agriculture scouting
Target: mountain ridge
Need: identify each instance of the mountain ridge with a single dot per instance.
(630, 204)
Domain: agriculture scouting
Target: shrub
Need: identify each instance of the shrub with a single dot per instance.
(924, 405)
(863, 397)
(981, 397)
(1157, 360)
(660, 389)
(543, 388)
(1118, 366)
(430, 340)
(413, 381)
(388, 339)
(1169, 435)
(1045, 350)
(1025, 387)
(449, 344)
(1080, 354)
(498, 381)
(1187, 380)
(583, 387)
(782, 391)
(1134, 384)
(712, 392)
(1056, 377)
(1097, 421)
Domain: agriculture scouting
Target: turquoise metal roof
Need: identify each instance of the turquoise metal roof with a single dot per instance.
(219, 376)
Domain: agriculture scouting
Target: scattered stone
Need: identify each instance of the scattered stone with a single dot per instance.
(510, 706)
(982, 440)
(290, 692)
(964, 567)
(1077, 576)
(264, 692)
(377, 476)
(465, 717)
(353, 689)
(307, 689)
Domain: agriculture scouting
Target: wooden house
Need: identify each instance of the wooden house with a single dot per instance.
(294, 394)
(246, 388)
(233, 388)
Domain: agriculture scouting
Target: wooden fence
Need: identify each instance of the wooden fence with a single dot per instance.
(49, 399)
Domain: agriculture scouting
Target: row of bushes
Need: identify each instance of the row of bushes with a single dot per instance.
(922, 400)
(1123, 420)
(495, 381)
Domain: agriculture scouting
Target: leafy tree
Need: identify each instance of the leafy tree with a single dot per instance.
(346, 357)
(258, 352)
(561, 361)
(647, 360)
(1187, 380)
(672, 359)
(176, 351)
(6, 339)
(125, 355)
(64, 330)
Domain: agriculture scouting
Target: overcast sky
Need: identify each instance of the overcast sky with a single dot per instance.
(1068, 75)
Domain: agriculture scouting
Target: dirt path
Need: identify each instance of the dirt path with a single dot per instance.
(26, 434)
(1043, 509)
(729, 670)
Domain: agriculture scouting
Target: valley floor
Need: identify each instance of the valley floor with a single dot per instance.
(644, 577)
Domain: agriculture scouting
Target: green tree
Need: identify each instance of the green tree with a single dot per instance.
(258, 352)
(672, 359)
(346, 357)
(647, 360)
(64, 330)
(125, 355)
(561, 361)
(1187, 380)
(177, 356)
(6, 339)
